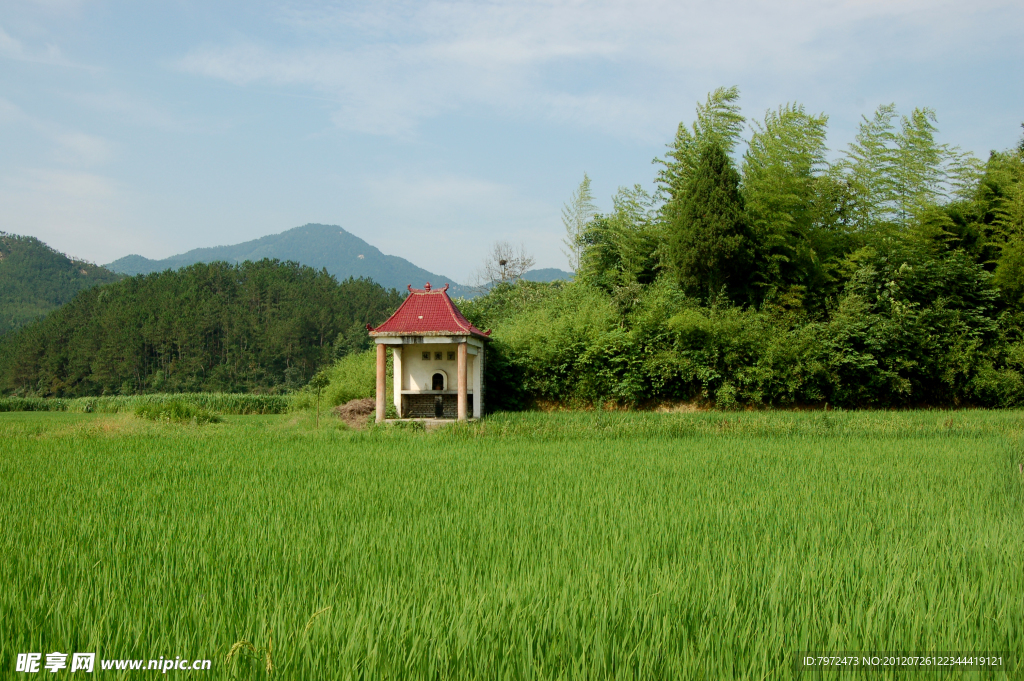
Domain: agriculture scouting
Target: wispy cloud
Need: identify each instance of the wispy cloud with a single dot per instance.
(392, 65)
(68, 147)
(9, 47)
(134, 110)
(48, 54)
(79, 148)
(75, 210)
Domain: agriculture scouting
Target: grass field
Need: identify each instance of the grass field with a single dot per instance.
(533, 546)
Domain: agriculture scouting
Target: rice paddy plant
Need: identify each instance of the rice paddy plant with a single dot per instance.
(225, 403)
(536, 546)
(177, 411)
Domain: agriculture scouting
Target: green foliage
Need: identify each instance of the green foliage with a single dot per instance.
(912, 326)
(35, 279)
(260, 327)
(177, 411)
(898, 175)
(528, 546)
(623, 248)
(791, 214)
(708, 238)
(351, 378)
(889, 279)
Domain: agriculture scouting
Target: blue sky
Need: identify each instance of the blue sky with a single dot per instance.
(432, 129)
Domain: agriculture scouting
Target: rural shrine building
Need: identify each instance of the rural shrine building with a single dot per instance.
(438, 358)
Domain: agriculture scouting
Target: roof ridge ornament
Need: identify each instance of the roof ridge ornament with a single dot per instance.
(426, 287)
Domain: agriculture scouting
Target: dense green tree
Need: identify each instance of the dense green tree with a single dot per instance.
(708, 239)
(897, 175)
(248, 327)
(891, 278)
(1006, 188)
(624, 247)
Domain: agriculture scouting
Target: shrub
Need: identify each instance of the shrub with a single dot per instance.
(352, 377)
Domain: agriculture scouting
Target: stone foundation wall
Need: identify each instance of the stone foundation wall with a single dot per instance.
(423, 406)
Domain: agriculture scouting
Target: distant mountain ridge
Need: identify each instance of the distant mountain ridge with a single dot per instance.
(321, 246)
(548, 274)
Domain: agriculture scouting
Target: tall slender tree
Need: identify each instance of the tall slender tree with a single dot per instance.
(781, 170)
(897, 175)
(575, 215)
(707, 229)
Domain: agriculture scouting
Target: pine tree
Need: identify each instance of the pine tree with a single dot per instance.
(708, 231)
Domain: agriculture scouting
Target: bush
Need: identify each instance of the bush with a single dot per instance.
(352, 377)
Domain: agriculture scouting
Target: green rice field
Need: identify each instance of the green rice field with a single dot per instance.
(580, 545)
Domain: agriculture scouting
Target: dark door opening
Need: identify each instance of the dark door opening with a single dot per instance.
(437, 382)
(439, 406)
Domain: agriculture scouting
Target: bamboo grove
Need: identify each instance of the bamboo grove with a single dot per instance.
(890, 275)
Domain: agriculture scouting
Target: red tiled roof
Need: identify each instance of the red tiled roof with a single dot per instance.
(427, 313)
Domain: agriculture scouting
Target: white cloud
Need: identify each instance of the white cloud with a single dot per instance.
(138, 111)
(48, 54)
(11, 112)
(67, 147)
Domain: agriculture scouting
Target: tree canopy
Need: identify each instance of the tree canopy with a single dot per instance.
(261, 326)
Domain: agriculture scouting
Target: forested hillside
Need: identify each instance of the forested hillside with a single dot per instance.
(35, 279)
(891, 276)
(264, 326)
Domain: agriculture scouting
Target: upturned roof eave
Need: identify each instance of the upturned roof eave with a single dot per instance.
(401, 334)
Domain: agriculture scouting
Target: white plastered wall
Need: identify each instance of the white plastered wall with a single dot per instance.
(416, 372)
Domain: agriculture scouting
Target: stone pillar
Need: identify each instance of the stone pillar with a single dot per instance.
(478, 382)
(462, 380)
(382, 365)
(396, 351)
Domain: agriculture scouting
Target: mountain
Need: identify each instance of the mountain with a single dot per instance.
(320, 246)
(35, 279)
(548, 274)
